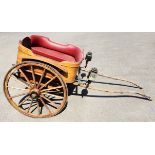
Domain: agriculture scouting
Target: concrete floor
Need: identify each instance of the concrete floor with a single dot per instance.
(127, 55)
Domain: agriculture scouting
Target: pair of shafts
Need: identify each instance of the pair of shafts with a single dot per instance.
(128, 93)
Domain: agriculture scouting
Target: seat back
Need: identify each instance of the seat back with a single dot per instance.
(47, 43)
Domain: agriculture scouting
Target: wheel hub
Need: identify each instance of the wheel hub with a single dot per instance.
(34, 93)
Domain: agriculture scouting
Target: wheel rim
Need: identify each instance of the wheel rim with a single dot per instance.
(35, 90)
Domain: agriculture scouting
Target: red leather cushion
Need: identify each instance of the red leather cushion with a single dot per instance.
(70, 50)
(52, 54)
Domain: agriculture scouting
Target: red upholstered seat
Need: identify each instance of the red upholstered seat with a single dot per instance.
(58, 56)
(45, 47)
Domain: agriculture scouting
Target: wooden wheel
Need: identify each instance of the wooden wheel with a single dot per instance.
(35, 89)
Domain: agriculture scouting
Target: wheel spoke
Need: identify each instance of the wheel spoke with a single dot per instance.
(51, 102)
(29, 106)
(21, 81)
(52, 94)
(26, 98)
(11, 97)
(33, 75)
(57, 92)
(52, 88)
(26, 78)
(45, 105)
(47, 82)
(41, 78)
(28, 103)
(16, 88)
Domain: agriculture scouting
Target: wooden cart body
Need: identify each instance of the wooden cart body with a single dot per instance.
(68, 70)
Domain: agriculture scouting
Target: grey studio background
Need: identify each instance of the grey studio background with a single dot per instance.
(127, 55)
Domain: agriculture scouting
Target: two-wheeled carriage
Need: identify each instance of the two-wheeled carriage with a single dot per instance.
(37, 85)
